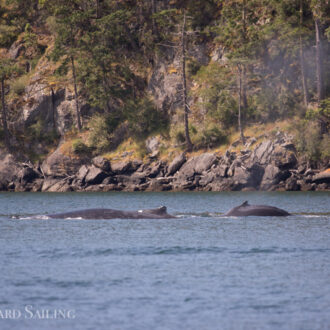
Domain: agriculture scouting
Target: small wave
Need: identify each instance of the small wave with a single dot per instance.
(35, 217)
(176, 250)
(279, 250)
(200, 215)
(313, 215)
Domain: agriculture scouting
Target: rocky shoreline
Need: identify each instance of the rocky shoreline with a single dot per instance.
(269, 165)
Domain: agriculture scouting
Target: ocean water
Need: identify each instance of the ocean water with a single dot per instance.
(198, 271)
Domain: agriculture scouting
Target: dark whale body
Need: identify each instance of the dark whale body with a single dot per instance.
(159, 213)
(246, 209)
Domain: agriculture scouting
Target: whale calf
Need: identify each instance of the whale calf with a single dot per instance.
(246, 209)
(158, 213)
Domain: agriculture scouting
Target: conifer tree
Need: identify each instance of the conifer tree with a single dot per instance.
(320, 10)
(7, 70)
(72, 20)
(238, 32)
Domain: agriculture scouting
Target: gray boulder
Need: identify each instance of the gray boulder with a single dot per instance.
(27, 175)
(56, 185)
(102, 163)
(184, 178)
(9, 169)
(248, 177)
(95, 175)
(176, 164)
(125, 167)
(262, 152)
(83, 171)
(59, 164)
(272, 176)
(322, 177)
(152, 144)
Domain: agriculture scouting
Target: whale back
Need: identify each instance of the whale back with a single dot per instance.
(159, 210)
(245, 209)
(158, 213)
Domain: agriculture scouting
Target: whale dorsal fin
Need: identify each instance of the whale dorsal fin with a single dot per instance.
(246, 203)
(158, 210)
(162, 209)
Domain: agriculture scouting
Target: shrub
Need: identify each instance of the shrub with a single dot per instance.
(178, 133)
(144, 119)
(209, 137)
(308, 139)
(215, 93)
(8, 35)
(18, 85)
(271, 104)
(51, 24)
(36, 130)
(179, 136)
(193, 66)
(325, 147)
(80, 148)
(41, 133)
(99, 133)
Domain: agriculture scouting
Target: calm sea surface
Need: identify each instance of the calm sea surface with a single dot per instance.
(199, 271)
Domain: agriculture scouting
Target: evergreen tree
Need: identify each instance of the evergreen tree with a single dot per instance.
(7, 70)
(72, 20)
(321, 11)
(238, 32)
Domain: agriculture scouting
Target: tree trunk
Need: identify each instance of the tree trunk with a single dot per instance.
(244, 97)
(76, 94)
(243, 69)
(184, 86)
(319, 62)
(302, 60)
(4, 115)
(240, 126)
(97, 8)
(153, 11)
(53, 107)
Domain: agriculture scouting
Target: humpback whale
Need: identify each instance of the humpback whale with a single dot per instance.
(158, 213)
(246, 209)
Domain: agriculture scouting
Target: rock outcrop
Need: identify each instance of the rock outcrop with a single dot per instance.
(271, 164)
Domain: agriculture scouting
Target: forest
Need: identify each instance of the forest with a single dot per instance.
(195, 72)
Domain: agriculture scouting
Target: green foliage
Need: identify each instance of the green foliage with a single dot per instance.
(216, 94)
(8, 69)
(325, 147)
(309, 141)
(101, 128)
(271, 104)
(323, 111)
(179, 135)
(51, 24)
(193, 66)
(18, 85)
(38, 132)
(101, 72)
(117, 46)
(80, 148)
(144, 119)
(7, 35)
(209, 137)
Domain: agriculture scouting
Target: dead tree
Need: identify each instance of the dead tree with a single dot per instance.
(189, 144)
